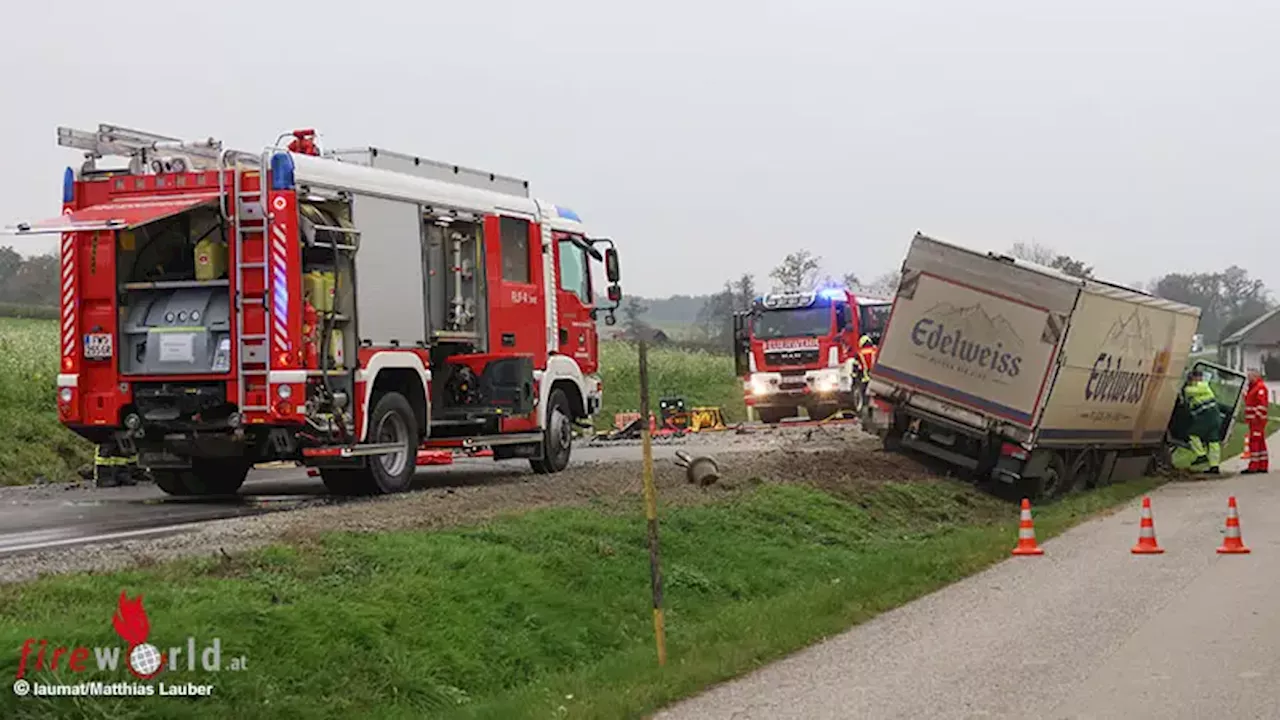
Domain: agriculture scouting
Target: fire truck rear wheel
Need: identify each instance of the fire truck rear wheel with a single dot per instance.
(557, 439)
(392, 421)
(205, 477)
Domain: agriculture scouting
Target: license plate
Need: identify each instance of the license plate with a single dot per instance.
(97, 346)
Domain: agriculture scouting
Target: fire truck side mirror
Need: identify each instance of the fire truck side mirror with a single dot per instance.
(611, 269)
(615, 293)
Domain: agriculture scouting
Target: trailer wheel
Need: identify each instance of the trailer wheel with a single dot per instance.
(205, 477)
(557, 438)
(1055, 482)
(392, 421)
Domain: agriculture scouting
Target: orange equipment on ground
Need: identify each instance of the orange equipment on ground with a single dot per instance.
(1027, 533)
(1147, 544)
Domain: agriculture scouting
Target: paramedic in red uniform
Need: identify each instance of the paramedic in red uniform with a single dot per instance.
(1256, 404)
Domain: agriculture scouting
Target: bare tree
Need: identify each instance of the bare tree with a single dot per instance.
(798, 271)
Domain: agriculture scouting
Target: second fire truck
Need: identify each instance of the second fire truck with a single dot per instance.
(343, 310)
(801, 350)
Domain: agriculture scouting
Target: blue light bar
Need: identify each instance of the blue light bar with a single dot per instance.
(567, 214)
(282, 171)
(68, 186)
(831, 294)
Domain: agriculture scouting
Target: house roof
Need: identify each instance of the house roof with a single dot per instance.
(1243, 333)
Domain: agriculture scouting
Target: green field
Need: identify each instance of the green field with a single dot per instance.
(33, 444)
(701, 378)
(546, 614)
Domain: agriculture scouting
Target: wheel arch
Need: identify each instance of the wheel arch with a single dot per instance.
(402, 372)
(563, 373)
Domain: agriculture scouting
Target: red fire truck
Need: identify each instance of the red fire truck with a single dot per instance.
(800, 350)
(343, 310)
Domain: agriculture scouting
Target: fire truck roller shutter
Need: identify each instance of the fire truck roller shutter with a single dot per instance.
(120, 214)
(390, 302)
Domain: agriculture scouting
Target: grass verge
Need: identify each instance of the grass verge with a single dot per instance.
(33, 444)
(702, 379)
(540, 615)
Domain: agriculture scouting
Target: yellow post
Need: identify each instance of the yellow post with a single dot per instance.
(651, 507)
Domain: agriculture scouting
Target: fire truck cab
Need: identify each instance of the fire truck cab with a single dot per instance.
(800, 350)
(343, 310)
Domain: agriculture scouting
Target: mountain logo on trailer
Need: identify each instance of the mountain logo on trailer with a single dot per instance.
(968, 339)
(1122, 369)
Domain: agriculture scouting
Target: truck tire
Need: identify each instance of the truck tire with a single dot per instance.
(821, 412)
(772, 416)
(205, 477)
(557, 437)
(343, 481)
(392, 421)
(1055, 482)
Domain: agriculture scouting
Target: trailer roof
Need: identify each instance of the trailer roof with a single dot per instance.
(1101, 287)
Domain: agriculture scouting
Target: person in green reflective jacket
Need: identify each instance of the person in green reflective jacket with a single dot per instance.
(1206, 423)
(110, 469)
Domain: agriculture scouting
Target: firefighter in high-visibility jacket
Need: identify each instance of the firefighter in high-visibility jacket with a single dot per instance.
(1257, 401)
(866, 358)
(1206, 423)
(110, 469)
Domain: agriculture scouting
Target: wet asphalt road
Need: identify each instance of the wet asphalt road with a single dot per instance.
(35, 519)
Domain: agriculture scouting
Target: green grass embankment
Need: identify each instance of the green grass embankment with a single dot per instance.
(33, 444)
(541, 615)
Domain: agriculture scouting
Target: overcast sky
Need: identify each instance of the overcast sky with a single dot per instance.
(709, 138)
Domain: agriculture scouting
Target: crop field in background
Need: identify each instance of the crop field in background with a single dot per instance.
(701, 378)
(34, 445)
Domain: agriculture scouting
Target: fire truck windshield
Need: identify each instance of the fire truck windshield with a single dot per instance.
(795, 322)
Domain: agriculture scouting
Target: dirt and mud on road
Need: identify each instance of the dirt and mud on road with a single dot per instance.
(838, 458)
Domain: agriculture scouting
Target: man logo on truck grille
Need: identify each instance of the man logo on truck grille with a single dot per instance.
(1118, 374)
(969, 340)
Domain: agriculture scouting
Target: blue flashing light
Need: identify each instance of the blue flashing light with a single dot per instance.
(567, 214)
(282, 171)
(831, 294)
(68, 186)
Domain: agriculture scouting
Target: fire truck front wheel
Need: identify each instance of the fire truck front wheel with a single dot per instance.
(205, 477)
(557, 439)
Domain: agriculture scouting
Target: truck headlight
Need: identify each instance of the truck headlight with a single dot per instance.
(827, 383)
(759, 386)
(64, 395)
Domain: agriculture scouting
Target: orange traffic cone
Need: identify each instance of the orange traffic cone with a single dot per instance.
(1233, 543)
(1147, 544)
(1026, 533)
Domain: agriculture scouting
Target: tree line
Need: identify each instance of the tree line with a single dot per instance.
(28, 281)
(1228, 299)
